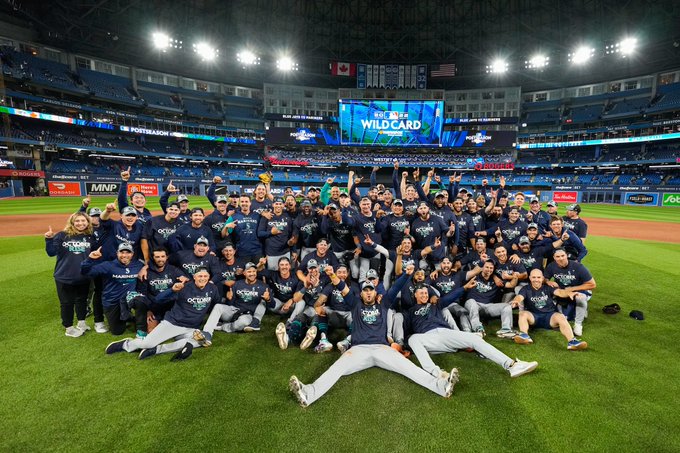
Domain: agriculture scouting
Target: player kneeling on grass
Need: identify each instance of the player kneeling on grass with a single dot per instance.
(431, 333)
(182, 322)
(371, 349)
(538, 309)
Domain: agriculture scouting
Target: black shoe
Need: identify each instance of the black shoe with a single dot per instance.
(184, 353)
(146, 353)
(116, 346)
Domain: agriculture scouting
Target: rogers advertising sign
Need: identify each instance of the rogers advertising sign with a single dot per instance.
(146, 189)
(22, 173)
(565, 197)
(64, 189)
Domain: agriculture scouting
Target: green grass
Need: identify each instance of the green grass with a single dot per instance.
(62, 394)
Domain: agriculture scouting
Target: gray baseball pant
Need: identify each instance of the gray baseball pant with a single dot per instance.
(163, 332)
(581, 311)
(365, 356)
(222, 312)
(277, 309)
(457, 311)
(501, 309)
(441, 340)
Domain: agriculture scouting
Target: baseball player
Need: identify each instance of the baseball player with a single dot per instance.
(158, 230)
(137, 198)
(71, 246)
(576, 223)
(306, 229)
(182, 201)
(484, 297)
(370, 348)
(182, 322)
(276, 230)
(218, 219)
(189, 261)
(186, 235)
(127, 230)
(244, 234)
(538, 309)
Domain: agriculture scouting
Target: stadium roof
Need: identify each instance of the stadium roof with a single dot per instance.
(469, 33)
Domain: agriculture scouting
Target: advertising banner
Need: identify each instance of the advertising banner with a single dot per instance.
(638, 198)
(102, 188)
(13, 173)
(64, 189)
(146, 189)
(565, 197)
(671, 199)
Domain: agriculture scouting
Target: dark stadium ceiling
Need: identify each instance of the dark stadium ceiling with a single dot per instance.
(468, 33)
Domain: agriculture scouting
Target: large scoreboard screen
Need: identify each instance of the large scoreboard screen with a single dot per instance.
(390, 123)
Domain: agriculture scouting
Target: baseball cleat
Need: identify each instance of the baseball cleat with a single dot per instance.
(480, 331)
(254, 326)
(577, 345)
(578, 329)
(146, 353)
(323, 346)
(454, 377)
(203, 338)
(519, 368)
(295, 387)
(73, 332)
(282, 335)
(343, 346)
(82, 325)
(523, 338)
(443, 374)
(506, 333)
(116, 346)
(140, 335)
(183, 353)
(100, 327)
(309, 338)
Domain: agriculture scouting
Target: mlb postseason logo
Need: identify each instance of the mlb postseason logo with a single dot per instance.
(671, 199)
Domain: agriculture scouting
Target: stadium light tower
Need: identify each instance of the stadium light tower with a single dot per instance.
(206, 51)
(161, 41)
(497, 66)
(247, 58)
(286, 64)
(537, 62)
(581, 55)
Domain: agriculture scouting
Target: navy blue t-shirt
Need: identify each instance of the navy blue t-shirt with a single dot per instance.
(538, 300)
(191, 304)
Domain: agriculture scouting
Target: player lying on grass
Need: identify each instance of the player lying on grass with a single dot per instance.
(370, 348)
(538, 309)
(182, 323)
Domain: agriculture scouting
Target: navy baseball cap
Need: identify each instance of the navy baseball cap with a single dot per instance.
(534, 200)
(278, 200)
(95, 212)
(332, 206)
(181, 198)
(441, 193)
(202, 240)
(129, 210)
(221, 199)
(574, 207)
(125, 246)
(344, 194)
(234, 195)
(463, 190)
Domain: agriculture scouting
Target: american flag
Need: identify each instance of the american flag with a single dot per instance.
(443, 70)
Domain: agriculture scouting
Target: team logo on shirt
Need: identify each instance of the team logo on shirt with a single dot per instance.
(511, 233)
(190, 268)
(425, 230)
(445, 286)
(76, 246)
(199, 302)
(309, 228)
(161, 284)
(423, 311)
(370, 315)
(484, 287)
(166, 232)
(247, 295)
(370, 227)
(566, 279)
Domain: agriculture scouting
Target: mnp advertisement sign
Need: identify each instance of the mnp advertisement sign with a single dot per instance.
(671, 199)
(102, 188)
(146, 189)
(64, 189)
(642, 198)
(565, 197)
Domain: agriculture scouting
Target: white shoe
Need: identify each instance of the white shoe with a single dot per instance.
(454, 377)
(73, 332)
(443, 375)
(578, 329)
(343, 346)
(282, 335)
(295, 386)
(82, 325)
(519, 368)
(309, 338)
(100, 327)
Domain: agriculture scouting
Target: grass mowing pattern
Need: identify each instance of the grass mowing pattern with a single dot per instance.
(62, 393)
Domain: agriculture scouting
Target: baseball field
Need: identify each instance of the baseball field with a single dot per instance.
(622, 394)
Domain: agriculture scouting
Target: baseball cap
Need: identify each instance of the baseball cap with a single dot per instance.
(181, 198)
(332, 206)
(463, 190)
(320, 240)
(532, 225)
(367, 284)
(234, 195)
(552, 204)
(534, 200)
(344, 194)
(574, 207)
(202, 240)
(278, 200)
(125, 246)
(371, 274)
(441, 193)
(524, 240)
(306, 203)
(311, 264)
(637, 314)
(129, 210)
(250, 265)
(422, 203)
(398, 201)
(312, 188)
(221, 199)
(95, 212)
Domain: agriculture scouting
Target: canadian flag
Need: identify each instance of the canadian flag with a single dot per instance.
(340, 68)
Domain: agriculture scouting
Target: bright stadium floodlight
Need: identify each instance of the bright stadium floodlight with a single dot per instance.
(247, 58)
(581, 55)
(497, 66)
(537, 62)
(206, 51)
(161, 41)
(286, 64)
(627, 46)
